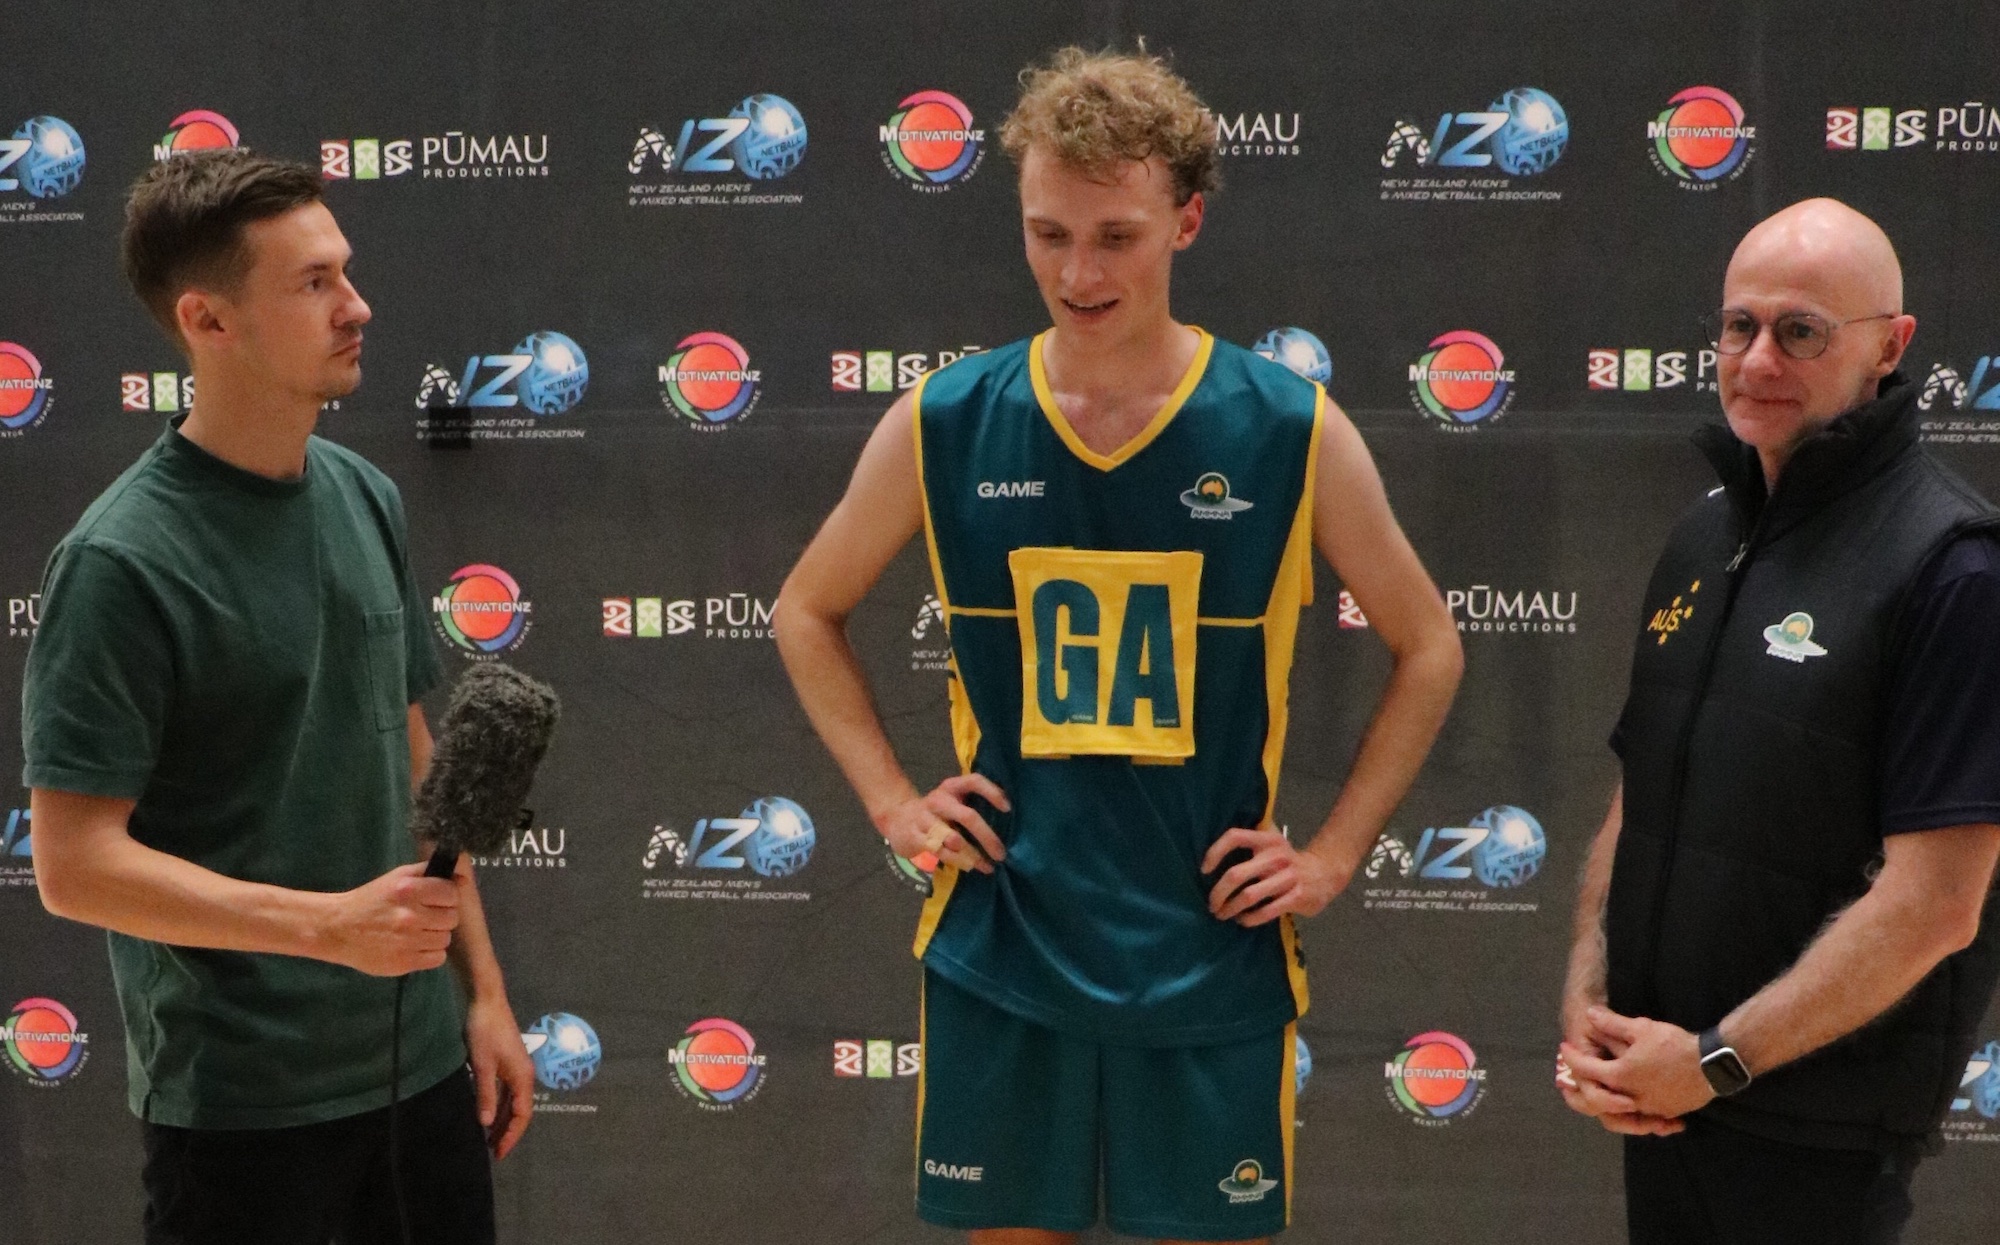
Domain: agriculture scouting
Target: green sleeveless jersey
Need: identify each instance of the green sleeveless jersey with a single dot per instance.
(1121, 629)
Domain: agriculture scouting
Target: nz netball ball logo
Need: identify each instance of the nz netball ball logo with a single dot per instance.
(43, 158)
(709, 381)
(1461, 381)
(1975, 1109)
(24, 391)
(1467, 156)
(565, 1051)
(482, 612)
(1435, 1078)
(1298, 350)
(546, 374)
(763, 139)
(931, 143)
(1700, 140)
(43, 1042)
(717, 1065)
(195, 130)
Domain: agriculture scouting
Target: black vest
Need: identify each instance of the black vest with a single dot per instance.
(1751, 749)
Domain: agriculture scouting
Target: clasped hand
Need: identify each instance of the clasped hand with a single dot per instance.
(1633, 1075)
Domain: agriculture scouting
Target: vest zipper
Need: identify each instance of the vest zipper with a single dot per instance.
(1733, 580)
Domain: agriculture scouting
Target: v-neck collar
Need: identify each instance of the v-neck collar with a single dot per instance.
(1039, 376)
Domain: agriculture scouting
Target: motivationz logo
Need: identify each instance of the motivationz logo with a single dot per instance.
(1461, 381)
(44, 158)
(1700, 140)
(43, 1042)
(709, 381)
(1435, 1077)
(482, 612)
(717, 1065)
(25, 393)
(1298, 350)
(930, 141)
(196, 130)
(1210, 499)
(1523, 133)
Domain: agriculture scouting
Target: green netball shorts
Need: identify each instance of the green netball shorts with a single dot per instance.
(1021, 1126)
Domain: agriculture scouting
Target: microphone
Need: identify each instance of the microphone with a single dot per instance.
(492, 737)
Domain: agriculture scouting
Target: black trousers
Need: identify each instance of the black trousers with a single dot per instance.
(1712, 1185)
(325, 1184)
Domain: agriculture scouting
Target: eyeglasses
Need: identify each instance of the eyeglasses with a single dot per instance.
(1799, 334)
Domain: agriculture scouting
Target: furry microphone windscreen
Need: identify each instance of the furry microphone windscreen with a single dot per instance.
(492, 736)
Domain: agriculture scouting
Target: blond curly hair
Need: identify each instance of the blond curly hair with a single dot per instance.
(1095, 110)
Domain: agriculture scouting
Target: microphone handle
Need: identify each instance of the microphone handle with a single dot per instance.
(444, 862)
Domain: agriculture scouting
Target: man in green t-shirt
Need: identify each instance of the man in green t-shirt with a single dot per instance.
(221, 730)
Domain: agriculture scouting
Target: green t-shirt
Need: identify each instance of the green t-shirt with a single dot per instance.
(237, 654)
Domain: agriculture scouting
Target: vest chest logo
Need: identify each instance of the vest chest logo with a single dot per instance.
(1666, 622)
(1792, 638)
(1210, 499)
(1107, 651)
(1012, 488)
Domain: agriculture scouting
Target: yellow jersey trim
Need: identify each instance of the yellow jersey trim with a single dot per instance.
(964, 727)
(977, 611)
(1288, 1105)
(1291, 592)
(942, 883)
(923, 489)
(1038, 375)
(924, 1057)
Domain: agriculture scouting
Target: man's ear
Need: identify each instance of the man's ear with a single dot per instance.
(1191, 215)
(1901, 330)
(200, 316)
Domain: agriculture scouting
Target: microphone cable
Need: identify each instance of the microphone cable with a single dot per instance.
(395, 1096)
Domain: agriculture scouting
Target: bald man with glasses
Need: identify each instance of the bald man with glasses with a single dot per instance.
(1787, 933)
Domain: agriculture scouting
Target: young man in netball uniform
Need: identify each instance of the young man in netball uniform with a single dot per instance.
(1121, 515)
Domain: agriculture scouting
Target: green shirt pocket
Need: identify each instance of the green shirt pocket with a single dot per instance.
(386, 677)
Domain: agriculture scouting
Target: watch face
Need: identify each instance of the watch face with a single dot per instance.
(1725, 1072)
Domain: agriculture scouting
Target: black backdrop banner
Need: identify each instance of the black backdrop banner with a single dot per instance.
(644, 276)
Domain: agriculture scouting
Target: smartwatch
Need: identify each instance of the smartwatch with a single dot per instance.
(1722, 1065)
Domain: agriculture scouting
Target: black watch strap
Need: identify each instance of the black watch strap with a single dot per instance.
(1721, 1064)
